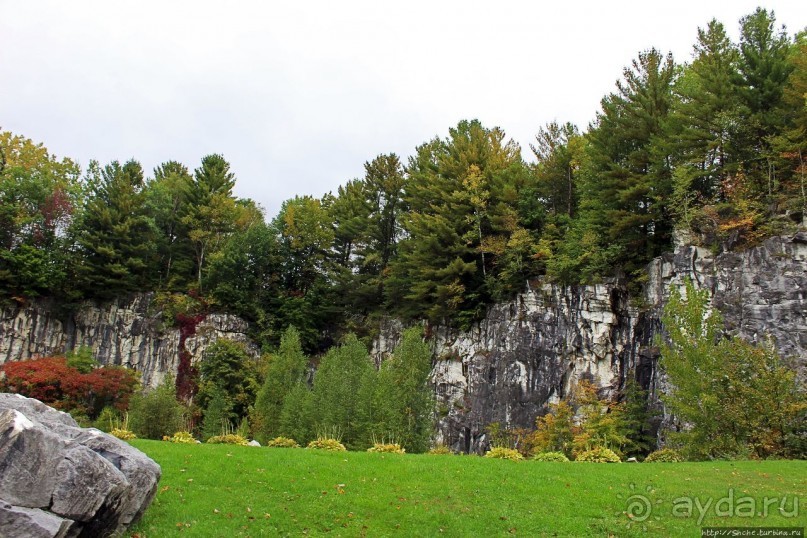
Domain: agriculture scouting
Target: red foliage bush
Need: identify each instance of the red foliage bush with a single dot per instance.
(53, 382)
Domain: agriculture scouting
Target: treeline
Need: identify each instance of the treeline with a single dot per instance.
(714, 148)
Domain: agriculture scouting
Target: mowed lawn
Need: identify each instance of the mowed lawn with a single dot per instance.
(220, 490)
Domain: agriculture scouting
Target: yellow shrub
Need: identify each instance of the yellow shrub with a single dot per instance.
(181, 437)
(229, 439)
(389, 448)
(502, 453)
(283, 442)
(327, 444)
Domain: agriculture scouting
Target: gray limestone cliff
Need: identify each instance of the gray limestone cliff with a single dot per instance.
(528, 352)
(127, 332)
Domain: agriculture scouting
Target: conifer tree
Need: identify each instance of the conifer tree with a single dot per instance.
(116, 233)
(336, 392)
(628, 184)
(286, 370)
(704, 127)
(167, 200)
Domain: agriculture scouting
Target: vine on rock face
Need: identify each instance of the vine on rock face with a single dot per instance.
(187, 374)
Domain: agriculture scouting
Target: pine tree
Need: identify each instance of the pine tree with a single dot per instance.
(116, 233)
(628, 184)
(212, 209)
(764, 70)
(460, 195)
(167, 200)
(705, 123)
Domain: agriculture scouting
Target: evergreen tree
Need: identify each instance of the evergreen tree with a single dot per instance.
(116, 234)
(556, 167)
(628, 184)
(764, 70)
(167, 200)
(217, 415)
(404, 401)
(212, 209)
(366, 231)
(460, 195)
(286, 370)
(790, 145)
(305, 235)
(337, 385)
(704, 127)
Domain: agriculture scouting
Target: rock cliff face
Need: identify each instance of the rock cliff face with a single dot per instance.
(126, 332)
(523, 355)
(529, 352)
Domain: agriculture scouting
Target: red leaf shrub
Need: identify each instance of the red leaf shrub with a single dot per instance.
(53, 382)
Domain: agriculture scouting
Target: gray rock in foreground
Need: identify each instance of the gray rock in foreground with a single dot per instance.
(57, 479)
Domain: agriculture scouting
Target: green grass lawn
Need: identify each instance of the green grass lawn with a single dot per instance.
(221, 490)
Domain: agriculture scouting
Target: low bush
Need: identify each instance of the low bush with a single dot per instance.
(598, 454)
(156, 413)
(327, 444)
(389, 448)
(181, 437)
(550, 456)
(282, 442)
(228, 439)
(123, 435)
(502, 453)
(664, 455)
(440, 450)
(53, 381)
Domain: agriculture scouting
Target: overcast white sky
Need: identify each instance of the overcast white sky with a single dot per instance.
(298, 95)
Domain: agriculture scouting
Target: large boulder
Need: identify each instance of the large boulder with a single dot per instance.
(58, 479)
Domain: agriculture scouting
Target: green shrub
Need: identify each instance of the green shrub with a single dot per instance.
(550, 456)
(502, 453)
(123, 435)
(664, 455)
(282, 442)
(156, 413)
(327, 444)
(109, 419)
(598, 454)
(389, 448)
(228, 439)
(181, 437)
(81, 359)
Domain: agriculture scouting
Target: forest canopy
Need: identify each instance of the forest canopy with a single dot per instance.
(712, 149)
